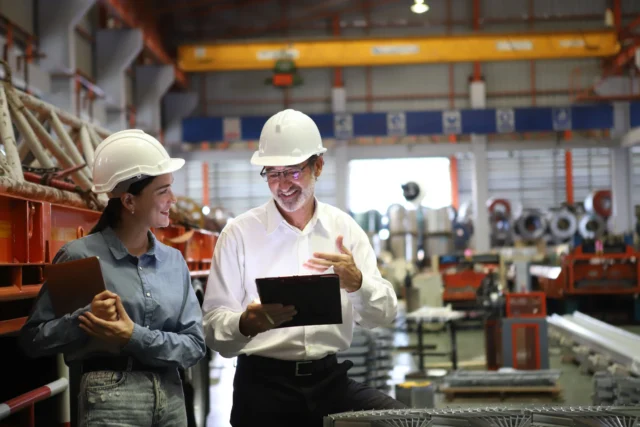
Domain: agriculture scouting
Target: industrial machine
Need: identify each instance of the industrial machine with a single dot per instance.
(516, 332)
(592, 268)
(462, 276)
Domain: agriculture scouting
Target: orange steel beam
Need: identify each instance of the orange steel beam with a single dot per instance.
(617, 14)
(134, 18)
(629, 28)
(205, 183)
(337, 72)
(453, 172)
(477, 68)
(568, 175)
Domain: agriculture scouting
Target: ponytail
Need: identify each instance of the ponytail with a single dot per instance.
(110, 216)
(112, 213)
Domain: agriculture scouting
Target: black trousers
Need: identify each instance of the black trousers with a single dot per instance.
(270, 394)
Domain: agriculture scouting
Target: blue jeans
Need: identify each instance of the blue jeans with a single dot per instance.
(136, 399)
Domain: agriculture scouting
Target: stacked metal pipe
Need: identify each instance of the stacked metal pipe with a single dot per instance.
(504, 416)
(36, 147)
(544, 377)
(610, 389)
(371, 354)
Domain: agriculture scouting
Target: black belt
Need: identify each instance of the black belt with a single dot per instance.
(299, 368)
(120, 363)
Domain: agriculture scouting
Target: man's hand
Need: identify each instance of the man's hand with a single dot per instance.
(114, 332)
(103, 306)
(259, 318)
(343, 265)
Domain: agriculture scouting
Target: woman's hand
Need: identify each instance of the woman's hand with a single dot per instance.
(103, 306)
(112, 331)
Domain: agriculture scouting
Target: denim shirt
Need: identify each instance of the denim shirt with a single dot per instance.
(156, 293)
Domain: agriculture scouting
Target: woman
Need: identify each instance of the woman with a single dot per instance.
(129, 342)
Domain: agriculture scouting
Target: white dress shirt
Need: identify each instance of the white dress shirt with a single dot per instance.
(260, 243)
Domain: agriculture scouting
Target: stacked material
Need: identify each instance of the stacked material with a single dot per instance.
(504, 416)
(619, 390)
(510, 378)
(371, 355)
(592, 336)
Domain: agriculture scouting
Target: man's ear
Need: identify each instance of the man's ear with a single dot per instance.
(317, 167)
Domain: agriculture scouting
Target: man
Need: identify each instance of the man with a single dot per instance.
(290, 376)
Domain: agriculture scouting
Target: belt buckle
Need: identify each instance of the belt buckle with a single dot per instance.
(298, 374)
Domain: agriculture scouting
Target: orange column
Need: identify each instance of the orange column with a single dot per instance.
(568, 171)
(205, 184)
(453, 173)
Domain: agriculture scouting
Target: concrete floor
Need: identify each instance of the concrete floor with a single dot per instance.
(577, 387)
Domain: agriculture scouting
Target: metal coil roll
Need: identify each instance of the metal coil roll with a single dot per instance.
(599, 203)
(502, 206)
(531, 225)
(563, 225)
(592, 227)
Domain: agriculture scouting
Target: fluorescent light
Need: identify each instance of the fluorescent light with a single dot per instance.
(419, 7)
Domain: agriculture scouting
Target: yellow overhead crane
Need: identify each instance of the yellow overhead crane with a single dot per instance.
(344, 52)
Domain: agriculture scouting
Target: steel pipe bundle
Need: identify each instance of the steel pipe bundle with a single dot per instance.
(28, 115)
(543, 377)
(610, 389)
(504, 416)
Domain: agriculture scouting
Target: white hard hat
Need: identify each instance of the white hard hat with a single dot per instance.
(288, 138)
(127, 155)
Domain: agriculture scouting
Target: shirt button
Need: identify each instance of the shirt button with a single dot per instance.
(148, 294)
(140, 268)
(146, 326)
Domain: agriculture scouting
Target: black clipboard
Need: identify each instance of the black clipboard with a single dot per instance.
(73, 284)
(315, 297)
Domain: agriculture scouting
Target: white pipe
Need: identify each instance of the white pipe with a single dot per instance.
(65, 161)
(67, 143)
(17, 112)
(87, 146)
(9, 138)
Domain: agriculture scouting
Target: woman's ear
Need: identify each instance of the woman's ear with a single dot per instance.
(128, 202)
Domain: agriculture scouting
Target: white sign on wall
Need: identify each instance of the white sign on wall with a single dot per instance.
(231, 130)
(505, 120)
(561, 118)
(451, 122)
(343, 126)
(396, 124)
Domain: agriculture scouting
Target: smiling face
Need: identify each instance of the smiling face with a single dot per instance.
(151, 206)
(293, 187)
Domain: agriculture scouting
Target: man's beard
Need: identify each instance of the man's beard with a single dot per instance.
(303, 195)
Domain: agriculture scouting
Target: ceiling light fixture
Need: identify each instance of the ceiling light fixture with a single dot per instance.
(419, 7)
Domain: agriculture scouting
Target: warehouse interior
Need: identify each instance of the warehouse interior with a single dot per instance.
(489, 149)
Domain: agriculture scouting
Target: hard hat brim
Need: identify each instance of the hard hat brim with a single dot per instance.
(259, 160)
(172, 165)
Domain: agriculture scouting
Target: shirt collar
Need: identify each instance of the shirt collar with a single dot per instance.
(119, 251)
(275, 218)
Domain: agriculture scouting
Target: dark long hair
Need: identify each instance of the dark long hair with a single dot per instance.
(113, 211)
